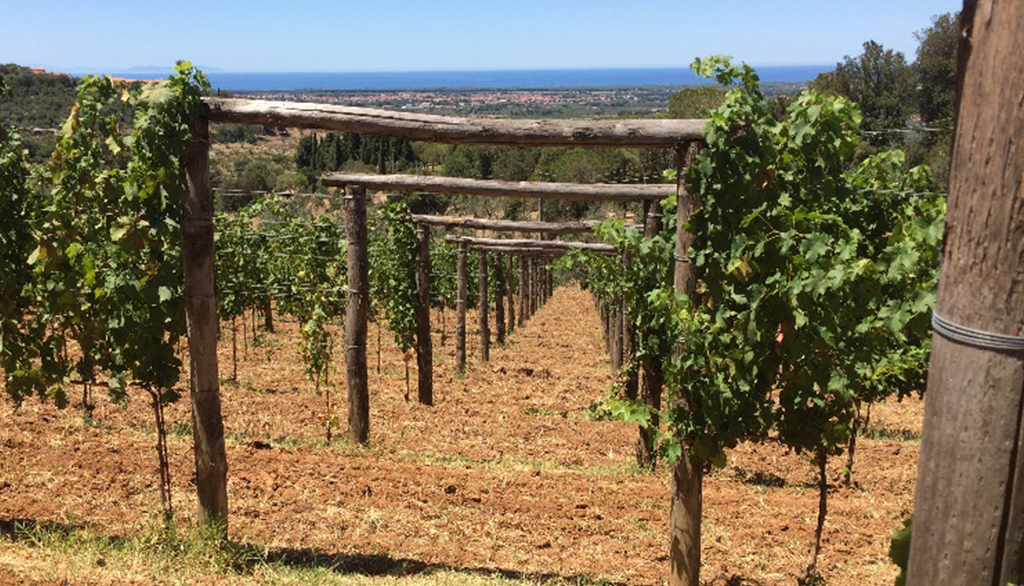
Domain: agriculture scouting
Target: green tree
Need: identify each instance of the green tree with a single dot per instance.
(695, 101)
(879, 81)
(936, 69)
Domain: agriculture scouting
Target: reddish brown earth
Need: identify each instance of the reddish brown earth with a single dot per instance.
(505, 472)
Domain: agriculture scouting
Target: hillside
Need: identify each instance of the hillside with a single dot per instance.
(40, 100)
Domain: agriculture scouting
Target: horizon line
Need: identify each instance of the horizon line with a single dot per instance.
(217, 70)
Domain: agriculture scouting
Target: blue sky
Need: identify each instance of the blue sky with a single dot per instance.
(432, 35)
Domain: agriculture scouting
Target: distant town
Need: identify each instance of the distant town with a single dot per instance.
(543, 103)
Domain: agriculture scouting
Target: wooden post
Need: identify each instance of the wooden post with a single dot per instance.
(356, 315)
(534, 288)
(510, 290)
(616, 335)
(528, 261)
(499, 298)
(485, 332)
(268, 315)
(538, 281)
(201, 313)
(632, 382)
(654, 376)
(606, 323)
(543, 271)
(460, 310)
(524, 287)
(424, 346)
(687, 473)
(969, 506)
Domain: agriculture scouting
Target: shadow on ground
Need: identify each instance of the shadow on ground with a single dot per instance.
(244, 558)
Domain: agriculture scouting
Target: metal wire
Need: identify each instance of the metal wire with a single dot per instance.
(973, 337)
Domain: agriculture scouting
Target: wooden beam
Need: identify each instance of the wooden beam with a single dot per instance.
(640, 133)
(521, 251)
(625, 192)
(556, 245)
(201, 315)
(585, 227)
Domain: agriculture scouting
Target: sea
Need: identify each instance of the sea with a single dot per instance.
(504, 79)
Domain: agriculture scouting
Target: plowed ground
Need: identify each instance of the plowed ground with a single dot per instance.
(505, 473)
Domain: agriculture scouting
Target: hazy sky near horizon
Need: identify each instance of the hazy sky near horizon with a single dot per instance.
(440, 35)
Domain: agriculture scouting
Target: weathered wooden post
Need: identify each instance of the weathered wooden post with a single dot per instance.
(201, 313)
(687, 474)
(424, 346)
(485, 332)
(605, 325)
(969, 506)
(356, 315)
(654, 376)
(616, 338)
(510, 290)
(632, 382)
(460, 310)
(529, 286)
(540, 283)
(268, 315)
(499, 298)
(534, 285)
(524, 288)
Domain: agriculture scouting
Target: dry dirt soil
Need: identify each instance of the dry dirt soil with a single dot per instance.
(505, 472)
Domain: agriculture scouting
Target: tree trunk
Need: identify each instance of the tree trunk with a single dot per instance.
(969, 506)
